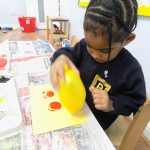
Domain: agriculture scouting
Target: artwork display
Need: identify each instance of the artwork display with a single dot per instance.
(143, 6)
(83, 3)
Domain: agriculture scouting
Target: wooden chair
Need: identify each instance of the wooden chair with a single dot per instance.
(130, 137)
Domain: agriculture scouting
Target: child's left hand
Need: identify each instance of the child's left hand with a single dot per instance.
(101, 99)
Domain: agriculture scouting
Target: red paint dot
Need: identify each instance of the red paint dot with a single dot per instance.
(55, 105)
(3, 62)
(50, 93)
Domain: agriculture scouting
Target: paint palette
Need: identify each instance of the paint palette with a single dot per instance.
(11, 121)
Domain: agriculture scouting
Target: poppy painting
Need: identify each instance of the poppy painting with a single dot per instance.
(47, 111)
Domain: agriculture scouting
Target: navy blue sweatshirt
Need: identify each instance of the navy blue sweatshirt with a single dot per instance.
(125, 76)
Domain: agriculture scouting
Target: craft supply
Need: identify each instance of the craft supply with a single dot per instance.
(72, 92)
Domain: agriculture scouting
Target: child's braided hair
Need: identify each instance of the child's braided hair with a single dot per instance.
(120, 15)
(114, 20)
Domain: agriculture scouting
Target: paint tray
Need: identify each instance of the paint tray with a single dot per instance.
(11, 120)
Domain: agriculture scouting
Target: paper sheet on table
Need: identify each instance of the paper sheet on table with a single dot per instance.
(44, 119)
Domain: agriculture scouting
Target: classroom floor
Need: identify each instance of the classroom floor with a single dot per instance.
(42, 34)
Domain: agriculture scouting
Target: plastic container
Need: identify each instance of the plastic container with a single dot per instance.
(28, 24)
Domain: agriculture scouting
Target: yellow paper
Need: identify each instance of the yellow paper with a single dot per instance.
(44, 120)
(84, 3)
(144, 10)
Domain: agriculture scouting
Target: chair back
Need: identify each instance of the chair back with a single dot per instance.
(136, 127)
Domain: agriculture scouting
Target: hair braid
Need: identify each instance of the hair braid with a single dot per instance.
(131, 9)
(121, 13)
(101, 12)
(118, 8)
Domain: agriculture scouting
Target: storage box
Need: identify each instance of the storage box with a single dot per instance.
(28, 24)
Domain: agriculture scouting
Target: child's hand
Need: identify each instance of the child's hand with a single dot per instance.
(101, 99)
(57, 70)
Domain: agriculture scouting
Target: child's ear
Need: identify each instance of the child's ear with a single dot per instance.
(129, 39)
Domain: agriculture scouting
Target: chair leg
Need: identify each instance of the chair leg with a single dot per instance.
(117, 147)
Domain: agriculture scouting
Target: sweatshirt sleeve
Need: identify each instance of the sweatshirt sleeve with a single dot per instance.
(75, 53)
(132, 93)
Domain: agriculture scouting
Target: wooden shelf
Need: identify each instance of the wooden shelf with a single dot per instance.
(64, 28)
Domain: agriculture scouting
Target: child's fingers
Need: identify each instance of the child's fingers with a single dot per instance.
(91, 88)
(61, 74)
(54, 81)
(102, 107)
(99, 107)
(97, 96)
(97, 102)
(73, 67)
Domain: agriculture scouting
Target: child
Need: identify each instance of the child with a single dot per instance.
(113, 78)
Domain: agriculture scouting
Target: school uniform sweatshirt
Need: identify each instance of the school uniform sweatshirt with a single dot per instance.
(125, 77)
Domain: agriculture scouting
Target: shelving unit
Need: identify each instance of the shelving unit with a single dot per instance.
(62, 32)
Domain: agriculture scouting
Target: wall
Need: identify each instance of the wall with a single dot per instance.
(10, 10)
(76, 18)
(140, 47)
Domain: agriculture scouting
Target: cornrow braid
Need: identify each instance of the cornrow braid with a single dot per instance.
(131, 9)
(118, 8)
(101, 12)
(119, 14)
(102, 20)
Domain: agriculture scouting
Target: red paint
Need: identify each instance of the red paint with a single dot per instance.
(30, 57)
(55, 106)
(3, 62)
(50, 93)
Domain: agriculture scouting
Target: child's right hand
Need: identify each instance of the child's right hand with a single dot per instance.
(57, 70)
